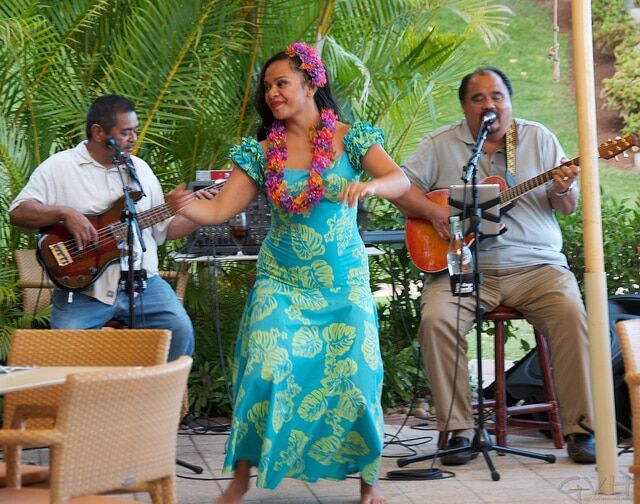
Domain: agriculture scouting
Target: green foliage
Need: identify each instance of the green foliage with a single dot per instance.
(403, 375)
(611, 23)
(621, 230)
(214, 301)
(622, 91)
(399, 284)
(11, 315)
(615, 30)
(209, 394)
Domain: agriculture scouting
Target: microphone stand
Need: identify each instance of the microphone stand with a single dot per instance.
(482, 441)
(470, 171)
(134, 281)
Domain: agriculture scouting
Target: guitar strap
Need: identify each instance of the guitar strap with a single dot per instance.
(511, 142)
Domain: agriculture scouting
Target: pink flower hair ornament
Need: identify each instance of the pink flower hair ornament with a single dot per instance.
(311, 62)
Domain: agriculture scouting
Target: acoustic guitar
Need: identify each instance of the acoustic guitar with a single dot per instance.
(429, 252)
(74, 270)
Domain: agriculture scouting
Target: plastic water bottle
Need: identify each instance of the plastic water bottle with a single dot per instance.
(459, 254)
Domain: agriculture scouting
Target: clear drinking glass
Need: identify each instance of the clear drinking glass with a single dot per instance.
(239, 230)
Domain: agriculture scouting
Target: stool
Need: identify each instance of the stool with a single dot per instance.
(503, 412)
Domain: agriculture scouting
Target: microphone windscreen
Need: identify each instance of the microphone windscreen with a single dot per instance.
(489, 117)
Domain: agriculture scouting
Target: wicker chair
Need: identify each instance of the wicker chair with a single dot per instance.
(65, 347)
(36, 286)
(114, 427)
(629, 337)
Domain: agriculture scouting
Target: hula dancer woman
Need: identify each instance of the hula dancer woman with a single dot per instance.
(308, 373)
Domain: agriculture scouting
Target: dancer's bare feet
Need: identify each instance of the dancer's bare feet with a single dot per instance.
(239, 485)
(371, 494)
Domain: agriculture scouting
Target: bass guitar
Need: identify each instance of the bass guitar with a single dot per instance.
(74, 270)
(429, 252)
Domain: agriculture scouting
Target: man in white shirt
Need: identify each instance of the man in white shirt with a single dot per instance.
(85, 180)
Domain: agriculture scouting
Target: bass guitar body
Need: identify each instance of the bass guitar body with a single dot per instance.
(72, 269)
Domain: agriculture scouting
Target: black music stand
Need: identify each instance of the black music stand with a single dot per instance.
(482, 441)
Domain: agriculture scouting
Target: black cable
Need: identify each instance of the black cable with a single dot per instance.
(216, 319)
(423, 439)
(415, 474)
(215, 478)
(209, 232)
(195, 428)
(581, 423)
(431, 473)
(405, 443)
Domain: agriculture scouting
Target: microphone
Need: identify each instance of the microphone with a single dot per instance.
(112, 144)
(488, 117)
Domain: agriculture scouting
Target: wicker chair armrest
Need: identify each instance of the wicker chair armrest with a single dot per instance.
(24, 412)
(35, 284)
(30, 437)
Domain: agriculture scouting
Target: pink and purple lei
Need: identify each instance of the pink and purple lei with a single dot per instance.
(322, 157)
(311, 62)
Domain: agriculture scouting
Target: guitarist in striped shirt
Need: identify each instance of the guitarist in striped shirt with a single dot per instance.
(523, 268)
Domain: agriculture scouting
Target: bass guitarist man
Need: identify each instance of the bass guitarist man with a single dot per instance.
(83, 181)
(523, 268)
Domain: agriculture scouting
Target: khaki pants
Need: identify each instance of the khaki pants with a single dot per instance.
(548, 296)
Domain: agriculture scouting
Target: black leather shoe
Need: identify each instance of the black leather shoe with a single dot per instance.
(581, 448)
(460, 458)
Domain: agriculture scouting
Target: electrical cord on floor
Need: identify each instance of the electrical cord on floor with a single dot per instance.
(408, 444)
(431, 473)
(191, 426)
(215, 478)
(394, 439)
(213, 287)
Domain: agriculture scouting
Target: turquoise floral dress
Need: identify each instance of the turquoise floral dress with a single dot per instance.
(308, 373)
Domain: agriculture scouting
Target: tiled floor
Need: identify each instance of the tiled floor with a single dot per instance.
(522, 480)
